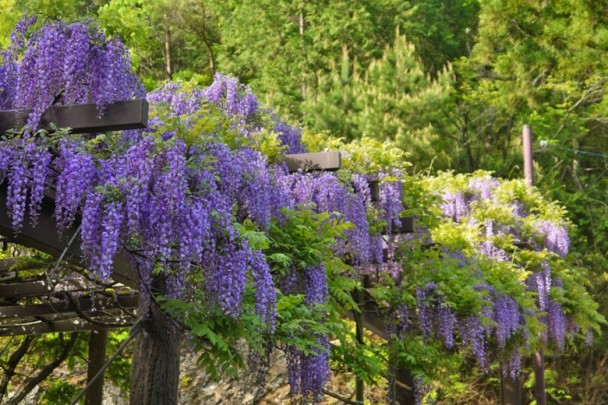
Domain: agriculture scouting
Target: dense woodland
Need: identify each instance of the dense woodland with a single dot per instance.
(446, 87)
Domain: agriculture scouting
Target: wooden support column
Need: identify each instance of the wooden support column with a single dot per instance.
(528, 156)
(359, 385)
(155, 369)
(510, 389)
(539, 361)
(539, 375)
(97, 358)
(404, 387)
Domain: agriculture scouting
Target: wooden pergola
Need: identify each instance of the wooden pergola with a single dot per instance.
(44, 301)
(37, 301)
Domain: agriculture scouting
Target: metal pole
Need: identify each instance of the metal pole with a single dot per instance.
(539, 361)
(97, 358)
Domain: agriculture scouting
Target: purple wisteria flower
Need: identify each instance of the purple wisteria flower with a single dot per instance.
(483, 186)
(454, 206)
(556, 237)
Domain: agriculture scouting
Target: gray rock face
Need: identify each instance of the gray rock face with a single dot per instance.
(197, 388)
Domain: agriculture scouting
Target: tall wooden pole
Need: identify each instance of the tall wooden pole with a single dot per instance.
(359, 385)
(528, 156)
(539, 375)
(97, 358)
(539, 361)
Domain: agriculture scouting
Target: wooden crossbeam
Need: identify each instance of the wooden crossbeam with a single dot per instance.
(407, 226)
(84, 304)
(25, 289)
(81, 118)
(66, 325)
(45, 237)
(313, 161)
(40, 288)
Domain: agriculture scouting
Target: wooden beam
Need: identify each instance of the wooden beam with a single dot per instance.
(6, 264)
(24, 289)
(81, 118)
(407, 226)
(84, 304)
(45, 237)
(68, 325)
(313, 161)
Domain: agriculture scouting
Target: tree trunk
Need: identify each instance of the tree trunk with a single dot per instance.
(155, 370)
(302, 27)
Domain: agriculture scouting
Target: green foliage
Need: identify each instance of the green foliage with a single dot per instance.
(457, 267)
(508, 277)
(305, 237)
(365, 155)
(168, 39)
(300, 325)
(59, 392)
(441, 31)
(119, 372)
(393, 98)
(215, 336)
(308, 35)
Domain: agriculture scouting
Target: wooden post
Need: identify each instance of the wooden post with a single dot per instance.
(359, 385)
(528, 156)
(404, 387)
(155, 369)
(539, 362)
(510, 389)
(97, 358)
(539, 374)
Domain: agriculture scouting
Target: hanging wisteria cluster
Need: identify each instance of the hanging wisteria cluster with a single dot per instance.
(507, 234)
(64, 64)
(239, 106)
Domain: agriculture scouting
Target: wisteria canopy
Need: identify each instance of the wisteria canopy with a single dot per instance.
(201, 198)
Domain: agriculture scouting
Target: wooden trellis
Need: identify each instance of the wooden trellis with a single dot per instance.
(38, 302)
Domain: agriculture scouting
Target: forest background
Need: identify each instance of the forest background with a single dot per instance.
(451, 82)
